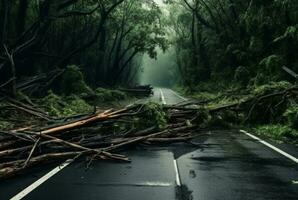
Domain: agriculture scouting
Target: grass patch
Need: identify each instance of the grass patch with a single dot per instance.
(72, 82)
(277, 132)
(291, 115)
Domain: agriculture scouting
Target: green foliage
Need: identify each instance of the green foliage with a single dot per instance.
(105, 95)
(5, 125)
(105, 38)
(204, 96)
(52, 103)
(153, 114)
(203, 118)
(256, 45)
(261, 38)
(150, 115)
(72, 82)
(277, 132)
(291, 33)
(242, 75)
(223, 119)
(271, 66)
(291, 115)
(75, 105)
(270, 88)
(64, 106)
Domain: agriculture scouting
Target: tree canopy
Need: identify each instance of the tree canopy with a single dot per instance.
(104, 38)
(215, 40)
(244, 41)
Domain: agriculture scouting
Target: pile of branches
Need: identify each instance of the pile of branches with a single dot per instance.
(268, 104)
(139, 90)
(105, 133)
(261, 108)
(33, 84)
(91, 136)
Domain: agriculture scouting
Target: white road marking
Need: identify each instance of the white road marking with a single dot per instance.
(271, 146)
(163, 101)
(157, 184)
(40, 181)
(178, 182)
(181, 97)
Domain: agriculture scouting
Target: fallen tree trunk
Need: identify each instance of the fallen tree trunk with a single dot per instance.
(102, 134)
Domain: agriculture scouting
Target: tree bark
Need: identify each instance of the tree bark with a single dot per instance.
(4, 16)
(22, 13)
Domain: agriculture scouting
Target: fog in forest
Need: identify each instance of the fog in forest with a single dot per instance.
(159, 71)
(162, 70)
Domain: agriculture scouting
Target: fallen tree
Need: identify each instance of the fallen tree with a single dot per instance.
(25, 147)
(103, 133)
(139, 90)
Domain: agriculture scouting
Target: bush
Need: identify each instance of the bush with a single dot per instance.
(51, 103)
(64, 106)
(271, 66)
(75, 105)
(291, 115)
(72, 82)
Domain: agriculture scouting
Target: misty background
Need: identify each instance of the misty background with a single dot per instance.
(160, 71)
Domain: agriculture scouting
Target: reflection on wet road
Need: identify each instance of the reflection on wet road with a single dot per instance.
(222, 165)
(235, 167)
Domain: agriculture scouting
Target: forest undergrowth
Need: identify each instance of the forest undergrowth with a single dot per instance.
(272, 110)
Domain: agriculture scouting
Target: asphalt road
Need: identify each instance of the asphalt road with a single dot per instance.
(225, 165)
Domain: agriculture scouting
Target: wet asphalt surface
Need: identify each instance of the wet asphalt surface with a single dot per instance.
(224, 165)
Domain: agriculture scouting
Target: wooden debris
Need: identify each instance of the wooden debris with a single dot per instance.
(99, 135)
(22, 148)
(139, 90)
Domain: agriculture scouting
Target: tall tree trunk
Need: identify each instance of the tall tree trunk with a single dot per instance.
(99, 70)
(120, 71)
(4, 16)
(22, 13)
(13, 89)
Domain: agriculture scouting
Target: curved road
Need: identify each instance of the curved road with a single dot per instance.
(226, 165)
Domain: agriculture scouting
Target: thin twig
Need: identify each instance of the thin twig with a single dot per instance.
(31, 152)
